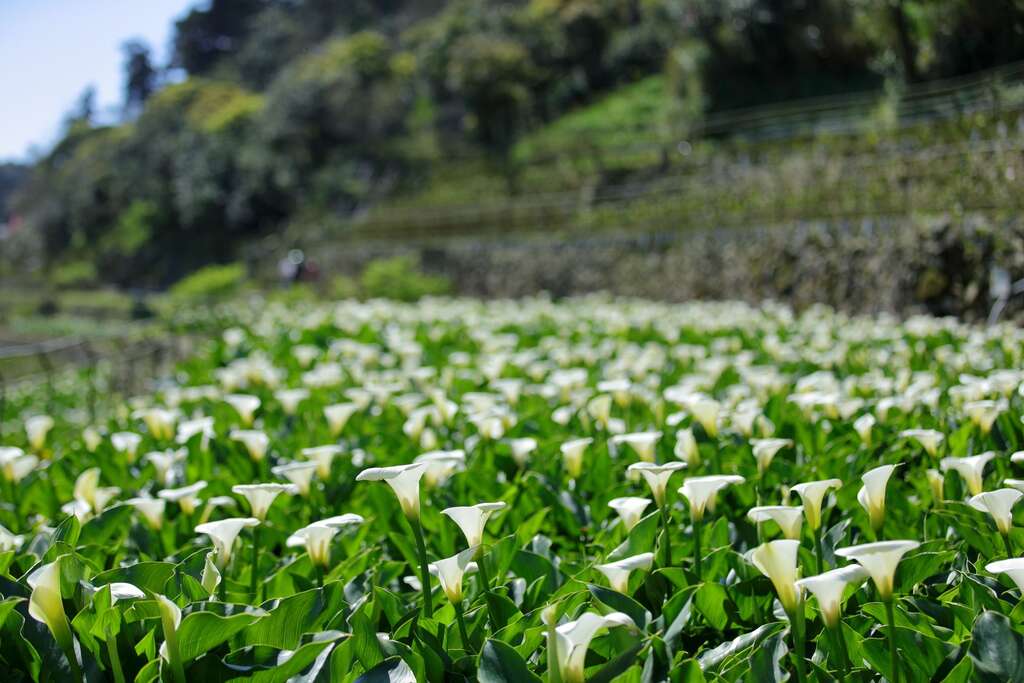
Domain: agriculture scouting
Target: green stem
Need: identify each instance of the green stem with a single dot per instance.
(461, 619)
(697, 524)
(893, 658)
(666, 539)
(115, 658)
(798, 628)
(840, 647)
(1007, 545)
(320, 576)
(222, 587)
(818, 555)
(421, 550)
(254, 585)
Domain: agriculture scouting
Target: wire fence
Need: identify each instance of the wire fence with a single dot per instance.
(85, 372)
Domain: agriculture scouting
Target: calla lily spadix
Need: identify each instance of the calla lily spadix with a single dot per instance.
(765, 451)
(789, 519)
(630, 509)
(300, 474)
(971, 469)
(657, 476)
(187, 497)
(223, 534)
(316, 537)
(261, 496)
(46, 605)
(36, 429)
(872, 495)
(572, 455)
(929, 439)
(812, 495)
(999, 504)
(471, 519)
(324, 457)
(618, 572)
(779, 561)
(642, 443)
(572, 641)
(880, 561)
(1012, 567)
(828, 590)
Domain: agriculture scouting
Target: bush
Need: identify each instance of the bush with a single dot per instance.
(211, 282)
(342, 287)
(400, 278)
(74, 274)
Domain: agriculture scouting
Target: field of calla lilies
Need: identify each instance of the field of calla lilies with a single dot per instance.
(585, 490)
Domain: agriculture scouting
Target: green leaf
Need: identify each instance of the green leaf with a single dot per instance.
(500, 663)
(393, 670)
(640, 539)
(621, 603)
(710, 600)
(996, 649)
(200, 632)
(288, 618)
(149, 576)
(764, 663)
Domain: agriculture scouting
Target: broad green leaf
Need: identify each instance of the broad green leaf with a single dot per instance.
(500, 663)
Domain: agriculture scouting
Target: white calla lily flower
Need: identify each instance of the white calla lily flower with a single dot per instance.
(789, 519)
(572, 455)
(261, 496)
(702, 492)
(657, 476)
(828, 588)
(779, 561)
(880, 560)
(765, 451)
(686, 448)
(471, 519)
(642, 443)
(812, 495)
(929, 439)
(863, 425)
(187, 497)
(46, 605)
(256, 442)
(9, 540)
(15, 464)
(441, 465)
(521, 450)
(630, 509)
(151, 509)
(37, 428)
(317, 537)
(618, 572)
(872, 495)
(223, 534)
(450, 571)
(404, 480)
(573, 642)
(324, 457)
(971, 469)
(338, 416)
(245, 405)
(300, 474)
(999, 504)
(1012, 567)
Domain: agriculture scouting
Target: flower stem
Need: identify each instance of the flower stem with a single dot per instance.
(421, 550)
(839, 643)
(115, 659)
(461, 619)
(697, 525)
(254, 585)
(893, 658)
(1007, 545)
(797, 621)
(818, 555)
(666, 540)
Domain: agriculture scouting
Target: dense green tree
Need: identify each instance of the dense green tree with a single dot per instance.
(140, 76)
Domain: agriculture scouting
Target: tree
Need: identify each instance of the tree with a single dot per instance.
(140, 77)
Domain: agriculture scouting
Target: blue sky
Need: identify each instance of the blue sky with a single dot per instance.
(51, 50)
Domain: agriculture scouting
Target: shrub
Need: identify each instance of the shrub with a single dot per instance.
(74, 274)
(400, 278)
(211, 282)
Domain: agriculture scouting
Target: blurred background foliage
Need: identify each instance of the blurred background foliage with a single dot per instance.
(277, 115)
